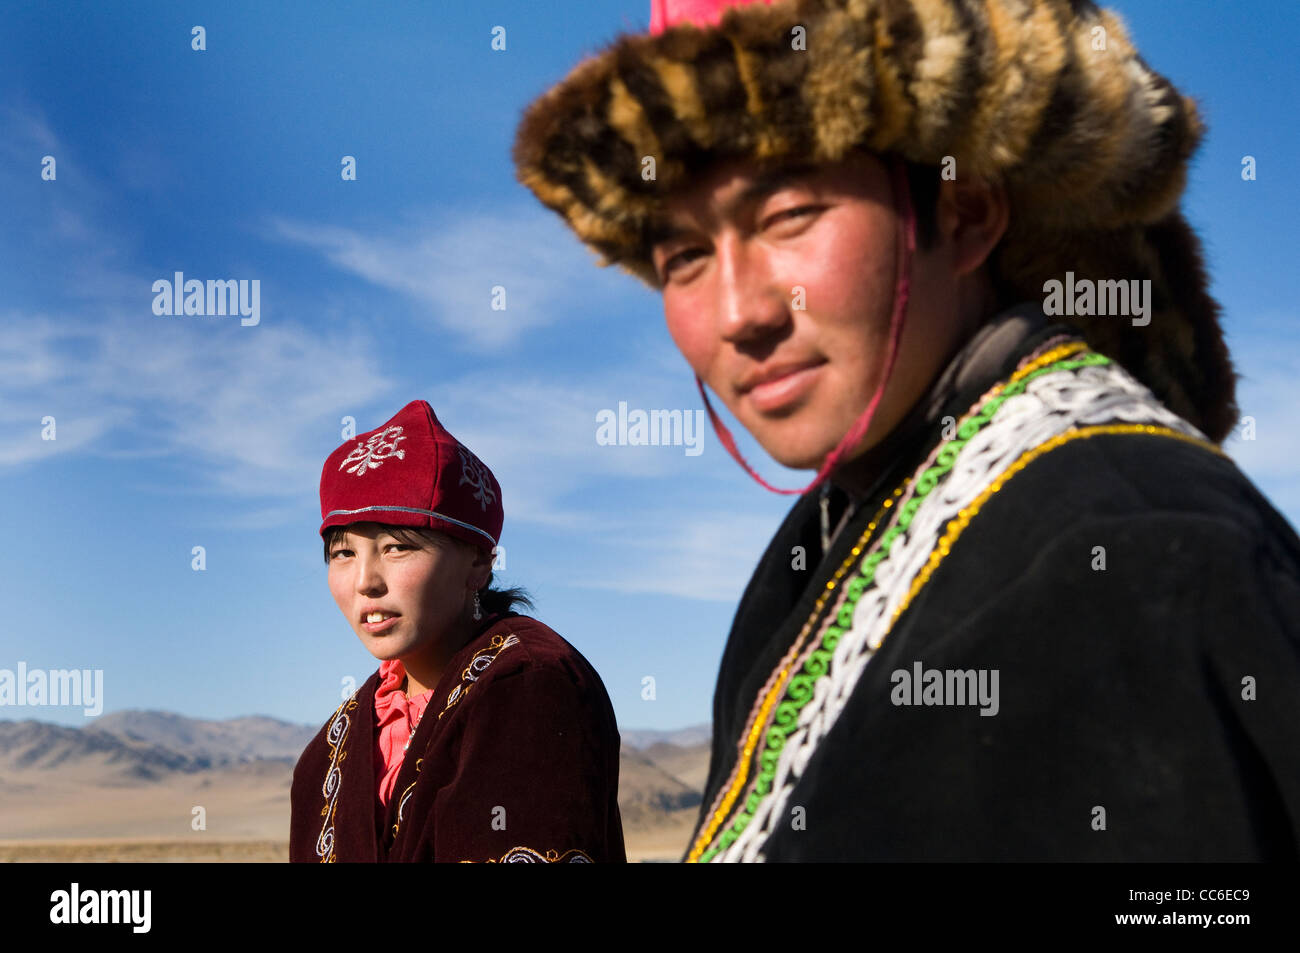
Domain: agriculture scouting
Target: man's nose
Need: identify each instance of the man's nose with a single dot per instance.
(750, 303)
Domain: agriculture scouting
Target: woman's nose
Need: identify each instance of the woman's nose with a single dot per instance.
(369, 575)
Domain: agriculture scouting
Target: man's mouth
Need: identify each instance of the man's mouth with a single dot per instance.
(773, 388)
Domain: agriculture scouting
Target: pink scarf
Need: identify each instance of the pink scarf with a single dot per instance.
(395, 714)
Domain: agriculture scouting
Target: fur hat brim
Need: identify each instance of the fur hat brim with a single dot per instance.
(1047, 96)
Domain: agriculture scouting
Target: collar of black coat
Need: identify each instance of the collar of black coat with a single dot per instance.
(976, 366)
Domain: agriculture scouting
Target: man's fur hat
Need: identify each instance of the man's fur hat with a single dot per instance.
(1048, 96)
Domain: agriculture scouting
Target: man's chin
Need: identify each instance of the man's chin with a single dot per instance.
(791, 448)
(796, 457)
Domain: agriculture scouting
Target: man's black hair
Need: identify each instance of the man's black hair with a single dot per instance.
(924, 183)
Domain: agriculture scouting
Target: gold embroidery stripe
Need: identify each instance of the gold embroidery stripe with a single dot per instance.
(964, 516)
(1051, 357)
(741, 771)
(955, 528)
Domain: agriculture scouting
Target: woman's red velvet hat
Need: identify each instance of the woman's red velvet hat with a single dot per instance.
(411, 472)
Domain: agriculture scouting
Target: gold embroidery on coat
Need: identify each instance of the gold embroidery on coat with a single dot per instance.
(401, 804)
(526, 855)
(337, 737)
(477, 666)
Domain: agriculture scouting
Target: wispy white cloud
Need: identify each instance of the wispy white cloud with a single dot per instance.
(248, 409)
(1268, 395)
(26, 125)
(539, 436)
(451, 265)
(694, 552)
(248, 414)
(251, 413)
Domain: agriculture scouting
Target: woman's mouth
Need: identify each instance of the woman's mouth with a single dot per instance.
(385, 620)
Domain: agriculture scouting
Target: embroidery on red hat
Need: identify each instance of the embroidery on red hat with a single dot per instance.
(429, 490)
(375, 451)
(475, 473)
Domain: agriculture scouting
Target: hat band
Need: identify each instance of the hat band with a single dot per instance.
(413, 509)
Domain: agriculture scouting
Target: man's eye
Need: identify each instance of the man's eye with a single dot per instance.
(339, 552)
(668, 264)
(792, 213)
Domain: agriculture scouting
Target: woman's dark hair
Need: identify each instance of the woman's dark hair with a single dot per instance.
(491, 601)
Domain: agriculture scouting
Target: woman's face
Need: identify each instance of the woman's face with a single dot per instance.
(426, 591)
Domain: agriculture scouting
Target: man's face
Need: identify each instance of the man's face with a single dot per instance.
(778, 290)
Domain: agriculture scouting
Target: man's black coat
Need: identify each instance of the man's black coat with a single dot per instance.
(1139, 601)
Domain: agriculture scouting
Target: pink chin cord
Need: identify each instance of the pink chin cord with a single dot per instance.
(902, 291)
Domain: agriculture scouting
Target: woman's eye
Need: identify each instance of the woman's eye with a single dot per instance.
(348, 552)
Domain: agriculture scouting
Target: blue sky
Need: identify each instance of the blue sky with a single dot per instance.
(175, 432)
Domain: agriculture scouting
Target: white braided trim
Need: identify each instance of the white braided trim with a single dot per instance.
(1051, 404)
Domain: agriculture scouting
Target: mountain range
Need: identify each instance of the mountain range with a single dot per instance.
(144, 774)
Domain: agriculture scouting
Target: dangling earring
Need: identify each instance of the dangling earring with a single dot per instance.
(477, 614)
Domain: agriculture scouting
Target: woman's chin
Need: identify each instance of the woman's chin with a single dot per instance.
(385, 649)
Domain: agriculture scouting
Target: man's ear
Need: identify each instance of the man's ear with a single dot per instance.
(972, 215)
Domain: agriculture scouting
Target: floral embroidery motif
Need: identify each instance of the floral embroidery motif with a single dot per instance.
(336, 736)
(473, 472)
(369, 455)
(477, 666)
(526, 855)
